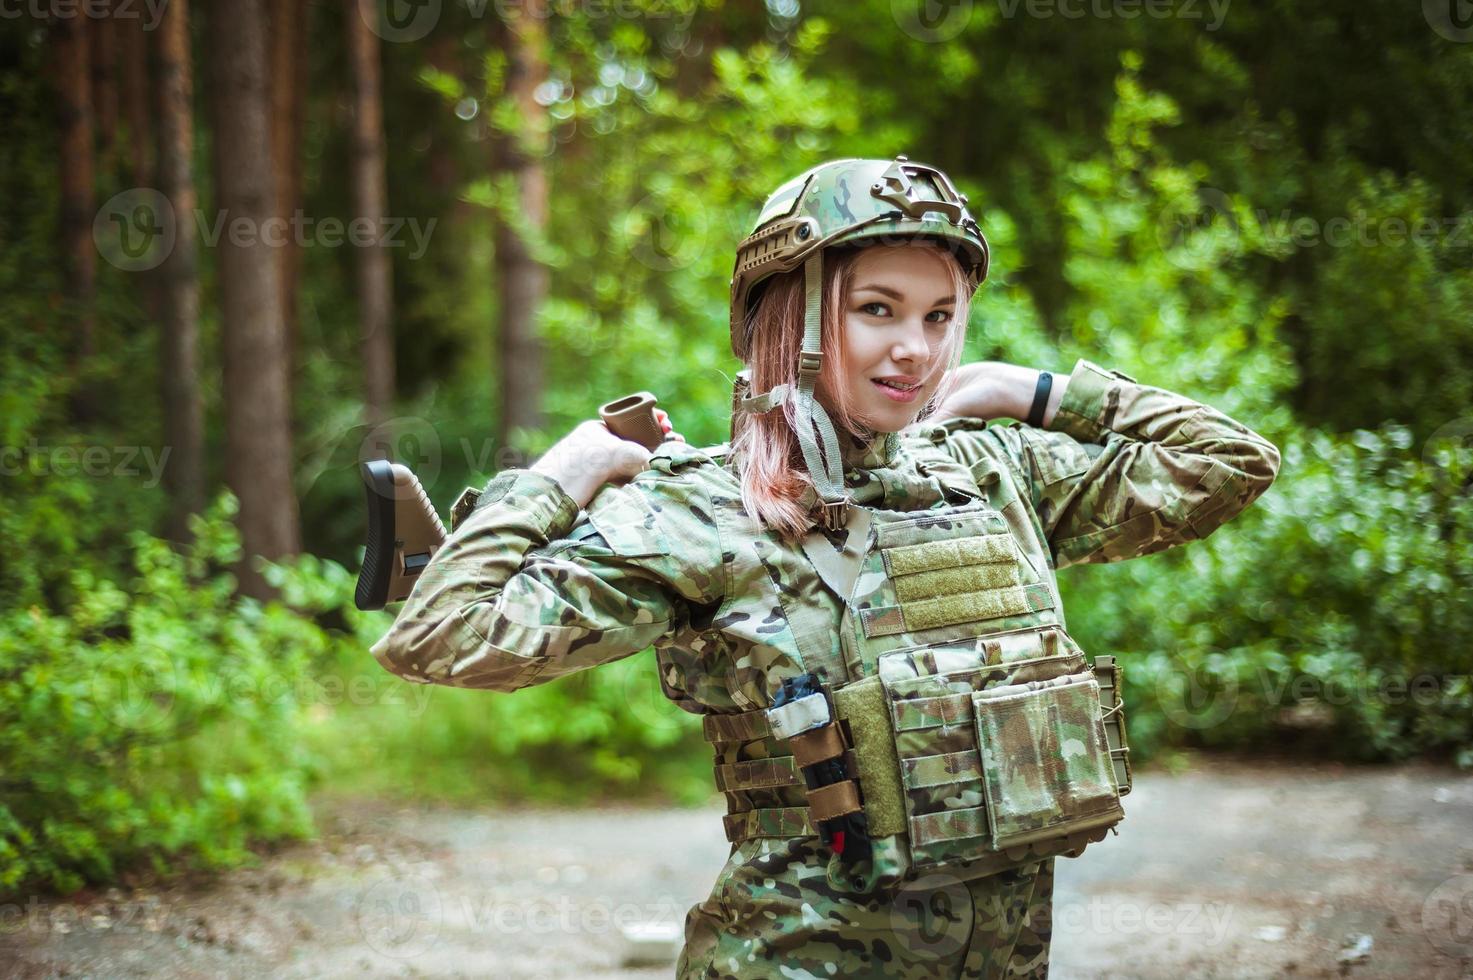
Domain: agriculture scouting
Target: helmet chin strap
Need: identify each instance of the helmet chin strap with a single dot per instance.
(815, 430)
(826, 469)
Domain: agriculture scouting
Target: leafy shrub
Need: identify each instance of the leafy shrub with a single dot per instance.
(150, 718)
(1335, 615)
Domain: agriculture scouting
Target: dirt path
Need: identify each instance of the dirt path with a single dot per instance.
(1227, 870)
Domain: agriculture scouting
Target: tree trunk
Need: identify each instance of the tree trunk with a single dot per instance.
(258, 436)
(288, 81)
(70, 38)
(522, 279)
(374, 272)
(104, 32)
(133, 49)
(177, 277)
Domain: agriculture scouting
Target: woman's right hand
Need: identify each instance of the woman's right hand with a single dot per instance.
(590, 456)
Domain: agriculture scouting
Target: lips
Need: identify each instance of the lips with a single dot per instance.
(896, 393)
(898, 384)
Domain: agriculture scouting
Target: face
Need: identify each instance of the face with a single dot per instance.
(896, 322)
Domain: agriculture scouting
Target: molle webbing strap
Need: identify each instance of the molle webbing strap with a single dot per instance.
(833, 800)
(736, 777)
(758, 774)
(818, 745)
(748, 726)
(785, 821)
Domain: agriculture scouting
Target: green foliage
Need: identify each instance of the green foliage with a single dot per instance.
(150, 718)
(1159, 198)
(1336, 615)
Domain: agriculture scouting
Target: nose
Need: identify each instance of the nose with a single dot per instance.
(911, 345)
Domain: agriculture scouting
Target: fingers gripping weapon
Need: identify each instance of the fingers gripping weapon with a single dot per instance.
(404, 531)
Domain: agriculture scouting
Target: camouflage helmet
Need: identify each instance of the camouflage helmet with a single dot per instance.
(839, 202)
(847, 201)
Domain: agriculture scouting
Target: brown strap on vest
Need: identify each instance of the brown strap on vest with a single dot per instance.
(833, 800)
(817, 745)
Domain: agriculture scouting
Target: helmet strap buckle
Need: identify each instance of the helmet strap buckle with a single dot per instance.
(810, 363)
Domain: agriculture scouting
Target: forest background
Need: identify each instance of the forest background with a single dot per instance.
(245, 244)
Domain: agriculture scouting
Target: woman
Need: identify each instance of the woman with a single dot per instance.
(863, 609)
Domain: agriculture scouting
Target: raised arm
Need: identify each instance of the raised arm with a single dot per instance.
(527, 588)
(1123, 469)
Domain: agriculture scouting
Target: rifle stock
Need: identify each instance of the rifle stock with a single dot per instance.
(404, 531)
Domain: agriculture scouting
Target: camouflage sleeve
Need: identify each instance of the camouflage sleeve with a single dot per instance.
(1126, 469)
(528, 588)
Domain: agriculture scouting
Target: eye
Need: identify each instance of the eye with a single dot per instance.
(879, 306)
(944, 314)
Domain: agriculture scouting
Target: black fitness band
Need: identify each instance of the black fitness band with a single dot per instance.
(1040, 399)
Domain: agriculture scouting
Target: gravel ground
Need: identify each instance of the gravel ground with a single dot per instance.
(1229, 869)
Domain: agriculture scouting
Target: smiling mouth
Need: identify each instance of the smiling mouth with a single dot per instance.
(895, 385)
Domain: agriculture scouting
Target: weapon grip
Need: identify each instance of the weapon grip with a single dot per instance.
(633, 417)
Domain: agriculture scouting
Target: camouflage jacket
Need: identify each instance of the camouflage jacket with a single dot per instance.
(529, 588)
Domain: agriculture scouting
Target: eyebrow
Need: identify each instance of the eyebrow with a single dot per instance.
(887, 291)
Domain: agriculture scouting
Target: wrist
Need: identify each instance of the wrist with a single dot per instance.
(1020, 386)
(577, 485)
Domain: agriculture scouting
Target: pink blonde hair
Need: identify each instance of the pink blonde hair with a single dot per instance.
(764, 446)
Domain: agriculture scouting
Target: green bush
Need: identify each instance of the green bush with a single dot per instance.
(1335, 615)
(150, 718)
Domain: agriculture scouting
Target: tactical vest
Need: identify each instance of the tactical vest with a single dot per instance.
(970, 730)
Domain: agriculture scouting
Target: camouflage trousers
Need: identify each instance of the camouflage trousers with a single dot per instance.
(777, 911)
